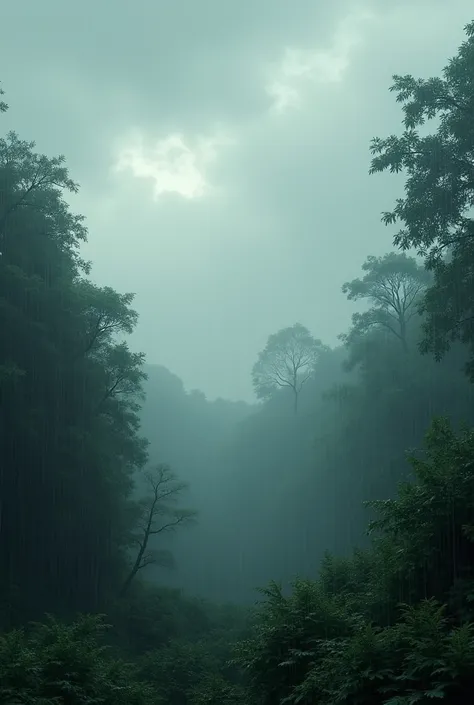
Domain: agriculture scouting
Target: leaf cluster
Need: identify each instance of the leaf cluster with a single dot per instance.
(391, 625)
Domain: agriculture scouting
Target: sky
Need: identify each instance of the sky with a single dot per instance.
(222, 149)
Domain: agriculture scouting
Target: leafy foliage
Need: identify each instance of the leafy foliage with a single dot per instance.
(3, 105)
(70, 397)
(213, 689)
(58, 663)
(288, 636)
(393, 285)
(436, 212)
(194, 670)
(326, 643)
(428, 523)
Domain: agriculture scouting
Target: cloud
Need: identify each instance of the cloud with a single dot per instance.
(241, 200)
(173, 164)
(301, 68)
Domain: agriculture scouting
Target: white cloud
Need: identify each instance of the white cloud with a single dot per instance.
(298, 68)
(174, 164)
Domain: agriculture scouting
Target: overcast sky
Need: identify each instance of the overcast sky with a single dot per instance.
(222, 149)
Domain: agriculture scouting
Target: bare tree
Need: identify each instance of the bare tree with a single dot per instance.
(157, 515)
(287, 360)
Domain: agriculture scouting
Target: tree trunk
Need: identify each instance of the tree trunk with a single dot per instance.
(134, 570)
(403, 334)
(143, 544)
(295, 402)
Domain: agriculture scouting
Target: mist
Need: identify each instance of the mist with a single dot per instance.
(236, 352)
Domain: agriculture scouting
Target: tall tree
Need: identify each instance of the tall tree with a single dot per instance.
(288, 360)
(69, 396)
(393, 285)
(436, 211)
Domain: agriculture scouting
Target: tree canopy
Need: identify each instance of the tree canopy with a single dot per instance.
(393, 285)
(436, 211)
(288, 360)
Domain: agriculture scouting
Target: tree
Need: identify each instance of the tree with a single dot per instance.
(430, 522)
(394, 285)
(70, 391)
(157, 515)
(3, 105)
(287, 360)
(32, 186)
(107, 313)
(436, 212)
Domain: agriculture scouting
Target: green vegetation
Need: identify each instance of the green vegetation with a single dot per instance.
(392, 624)
(386, 616)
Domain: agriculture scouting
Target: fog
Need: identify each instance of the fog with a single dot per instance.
(237, 352)
(222, 154)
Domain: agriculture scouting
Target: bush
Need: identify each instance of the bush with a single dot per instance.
(332, 642)
(58, 663)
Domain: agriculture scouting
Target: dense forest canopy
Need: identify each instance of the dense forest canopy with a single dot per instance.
(137, 519)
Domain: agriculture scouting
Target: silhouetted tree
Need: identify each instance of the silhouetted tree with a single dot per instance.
(393, 285)
(288, 360)
(158, 515)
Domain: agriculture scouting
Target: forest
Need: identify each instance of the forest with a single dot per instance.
(315, 547)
